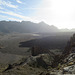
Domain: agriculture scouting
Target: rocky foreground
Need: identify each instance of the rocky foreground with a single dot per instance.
(41, 65)
(44, 62)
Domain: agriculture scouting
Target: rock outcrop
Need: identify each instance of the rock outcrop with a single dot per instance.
(68, 57)
(42, 60)
(36, 50)
(69, 69)
(70, 47)
(69, 64)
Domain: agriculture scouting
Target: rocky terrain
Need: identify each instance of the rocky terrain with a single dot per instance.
(42, 61)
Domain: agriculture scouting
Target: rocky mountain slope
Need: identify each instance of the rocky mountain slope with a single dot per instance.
(69, 56)
(26, 27)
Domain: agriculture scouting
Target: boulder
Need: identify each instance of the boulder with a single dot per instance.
(69, 69)
(70, 58)
(42, 60)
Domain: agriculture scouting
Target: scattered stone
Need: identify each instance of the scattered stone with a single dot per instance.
(69, 69)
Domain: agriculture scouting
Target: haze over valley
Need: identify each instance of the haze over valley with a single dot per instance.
(37, 37)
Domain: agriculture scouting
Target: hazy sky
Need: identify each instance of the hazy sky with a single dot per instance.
(60, 13)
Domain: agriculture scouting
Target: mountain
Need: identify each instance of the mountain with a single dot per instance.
(67, 30)
(26, 27)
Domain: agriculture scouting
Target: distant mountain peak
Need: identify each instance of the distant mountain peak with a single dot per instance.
(42, 22)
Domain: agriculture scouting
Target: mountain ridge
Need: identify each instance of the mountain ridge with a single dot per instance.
(29, 27)
(26, 27)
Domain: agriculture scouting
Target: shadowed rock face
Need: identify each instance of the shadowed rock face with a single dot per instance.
(70, 48)
(38, 50)
(68, 55)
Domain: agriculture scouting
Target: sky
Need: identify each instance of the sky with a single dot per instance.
(60, 13)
